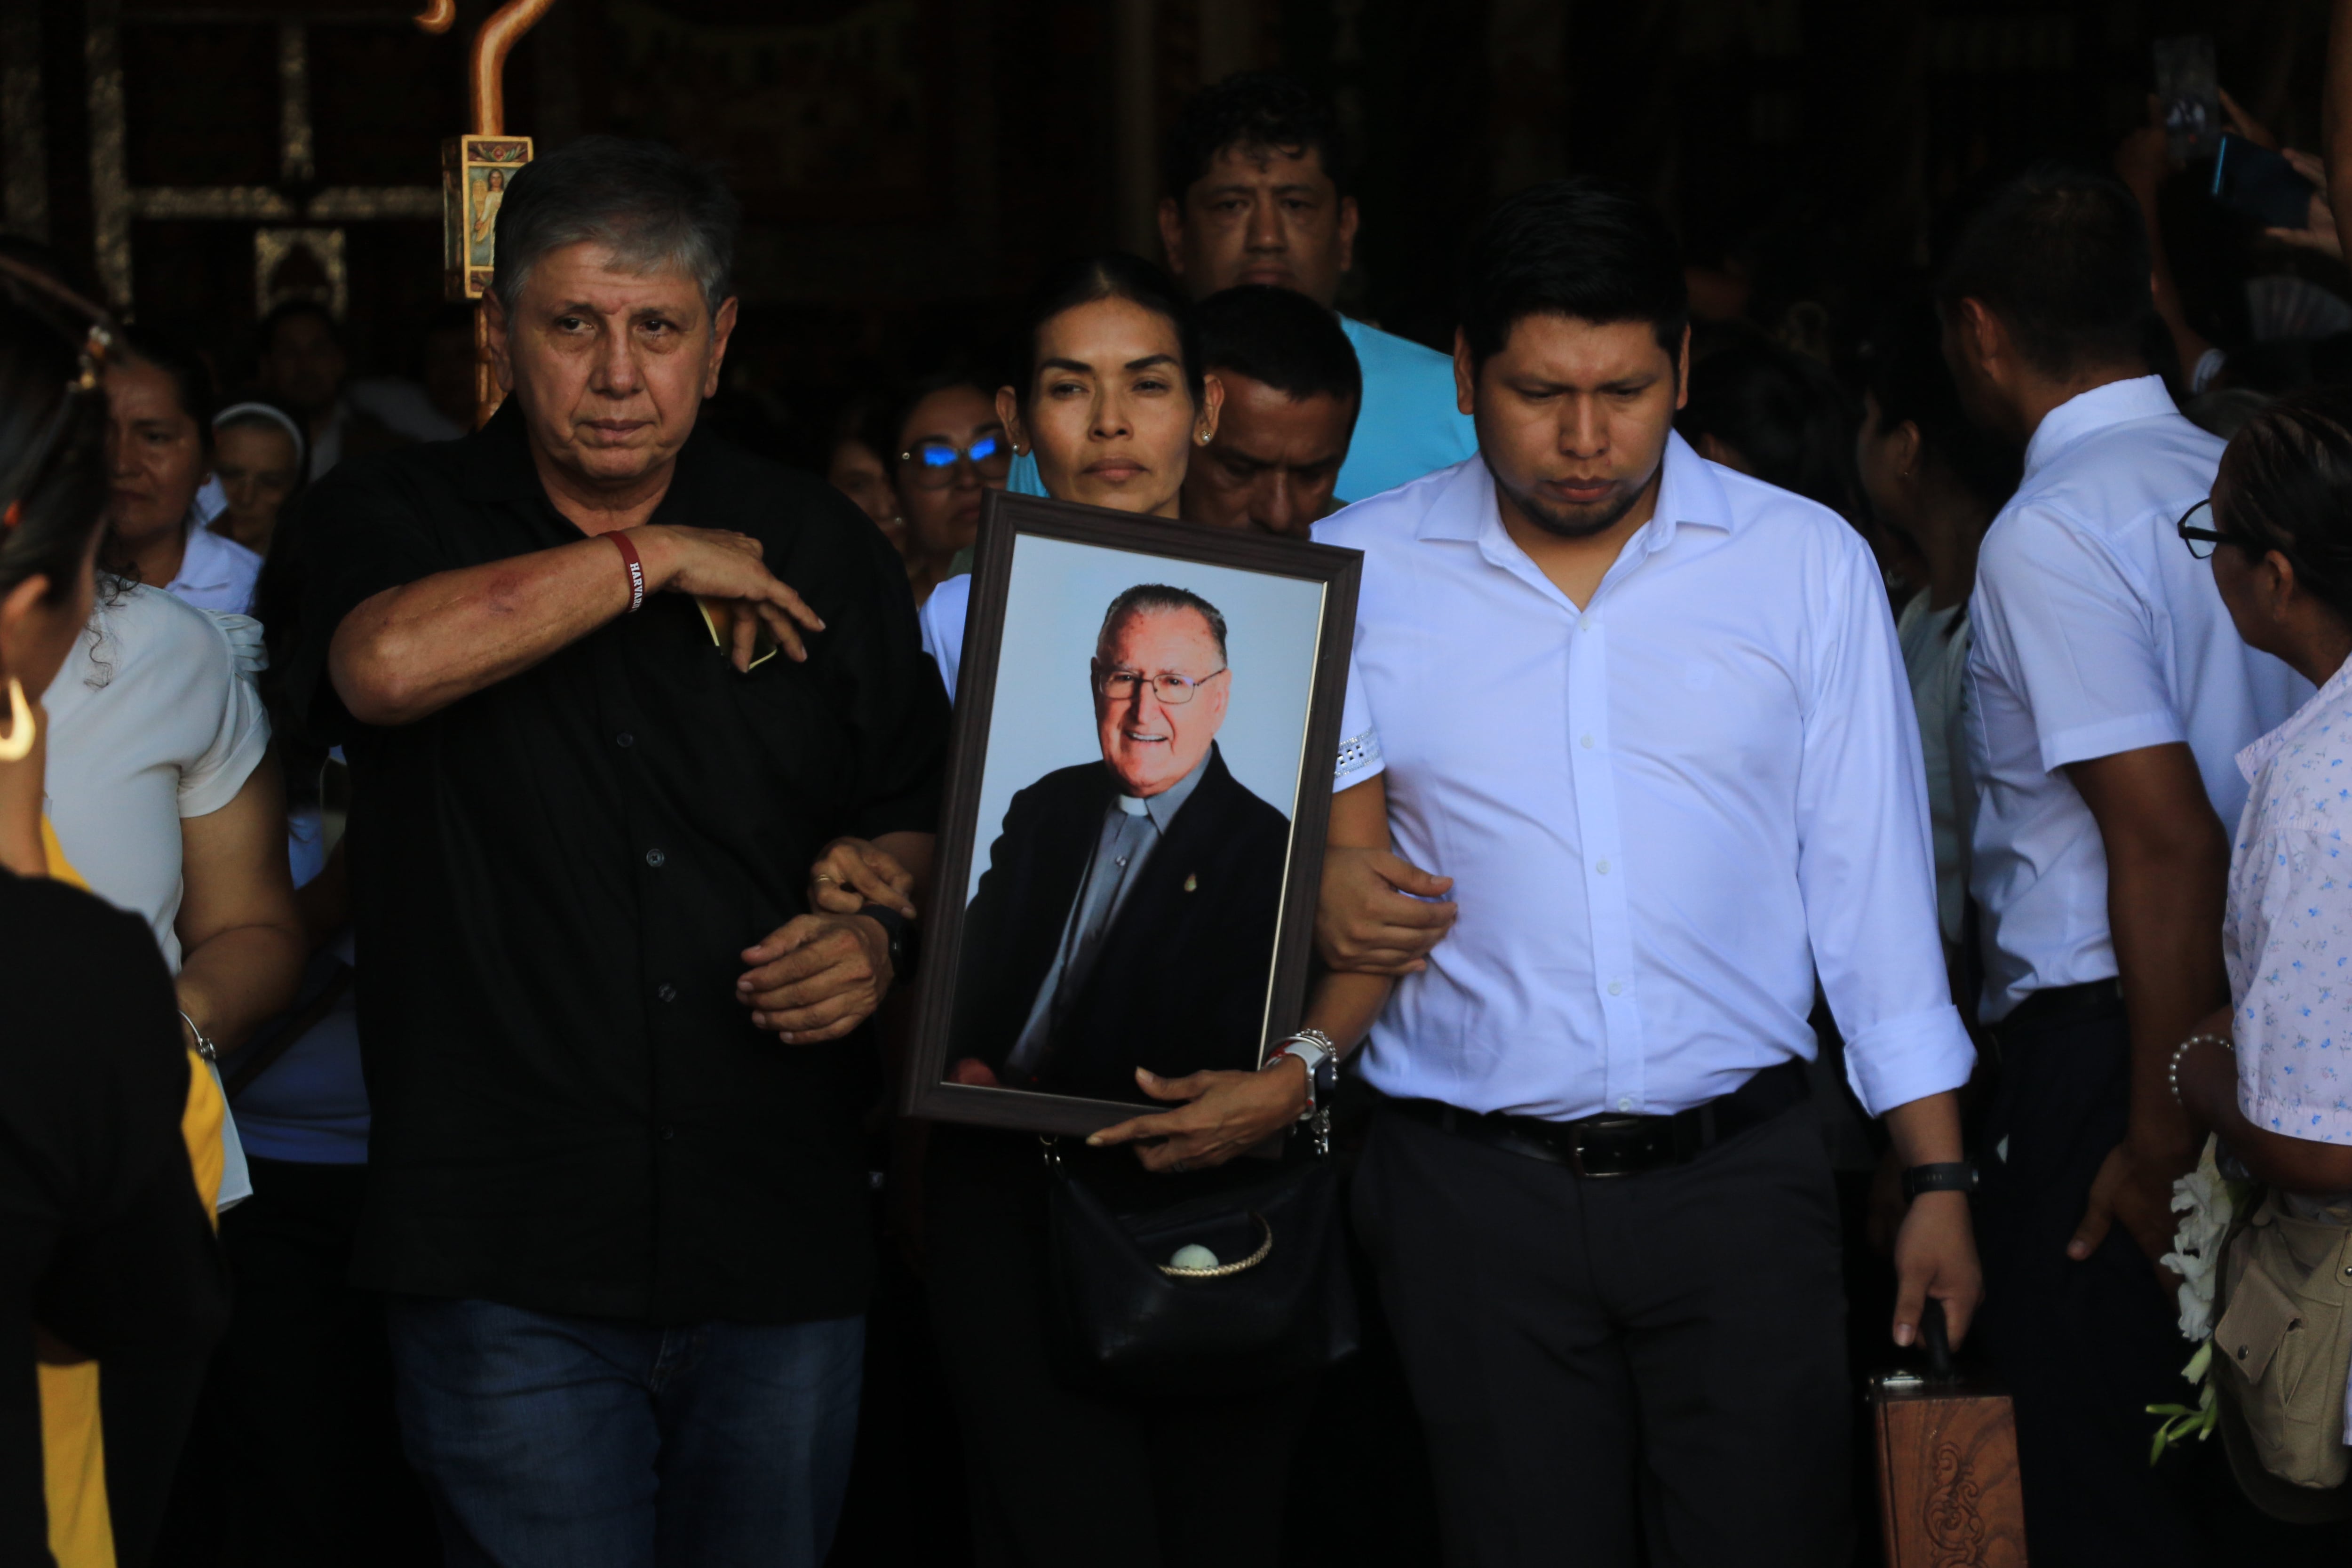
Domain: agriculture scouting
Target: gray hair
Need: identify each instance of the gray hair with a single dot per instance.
(651, 205)
(1147, 597)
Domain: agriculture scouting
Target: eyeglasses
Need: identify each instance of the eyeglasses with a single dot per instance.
(1173, 690)
(2200, 538)
(935, 461)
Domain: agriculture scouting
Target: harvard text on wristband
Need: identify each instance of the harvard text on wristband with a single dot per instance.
(634, 565)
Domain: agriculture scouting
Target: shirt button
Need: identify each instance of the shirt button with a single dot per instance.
(1602, 868)
(1586, 742)
(1616, 988)
(665, 991)
(655, 858)
(1626, 1102)
(624, 740)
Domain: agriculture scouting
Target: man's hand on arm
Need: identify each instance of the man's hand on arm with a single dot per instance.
(1379, 914)
(2167, 871)
(408, 652)
(851, 873)
(1935, 1248)
(819, 977)
(816, 977)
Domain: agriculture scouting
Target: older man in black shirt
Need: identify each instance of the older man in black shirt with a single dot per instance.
(614, 1055)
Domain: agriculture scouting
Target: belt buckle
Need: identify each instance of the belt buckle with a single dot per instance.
(1613, 1165)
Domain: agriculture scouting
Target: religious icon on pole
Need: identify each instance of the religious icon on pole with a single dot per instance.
(475, 170)
(474, 175)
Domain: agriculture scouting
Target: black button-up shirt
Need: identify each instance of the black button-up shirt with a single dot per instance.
(556, 879)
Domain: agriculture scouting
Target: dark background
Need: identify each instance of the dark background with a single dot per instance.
(908, 166)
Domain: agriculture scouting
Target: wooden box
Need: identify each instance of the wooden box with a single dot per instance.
(1947, 1485)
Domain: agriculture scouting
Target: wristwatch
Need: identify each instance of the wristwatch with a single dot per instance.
(1950, 1176)
(899, 930)
(1320, 1058)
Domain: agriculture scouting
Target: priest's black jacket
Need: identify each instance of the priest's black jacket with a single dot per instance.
(1179, 984)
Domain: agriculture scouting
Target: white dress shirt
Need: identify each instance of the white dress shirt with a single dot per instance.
(216, 573)
(1660, 813)
(2096, 632)
(942, 618)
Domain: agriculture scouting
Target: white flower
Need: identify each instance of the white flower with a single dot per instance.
(2202, 1199)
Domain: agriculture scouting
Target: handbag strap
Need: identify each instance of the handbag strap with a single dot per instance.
(259, 1056)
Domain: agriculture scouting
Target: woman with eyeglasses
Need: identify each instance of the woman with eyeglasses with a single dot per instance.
(2272, 1074)
(948, 449)
(109, 1128)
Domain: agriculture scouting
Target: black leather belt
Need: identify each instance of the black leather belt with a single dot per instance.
(2063, 1005)
(1608, 1146)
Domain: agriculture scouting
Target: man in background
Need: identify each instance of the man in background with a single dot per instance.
(2108, 697)
(299, 361)
(1257, 179)
(1292, 392)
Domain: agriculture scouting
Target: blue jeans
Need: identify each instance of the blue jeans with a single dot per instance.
(586, 1443)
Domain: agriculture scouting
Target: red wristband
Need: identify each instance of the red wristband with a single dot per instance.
(634, 565)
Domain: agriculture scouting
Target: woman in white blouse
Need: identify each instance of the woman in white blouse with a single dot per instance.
(160, 799)
(2269, 1073)
(2265, 1074)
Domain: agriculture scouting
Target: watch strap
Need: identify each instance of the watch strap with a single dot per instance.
(897, 927)
(1946, 1176)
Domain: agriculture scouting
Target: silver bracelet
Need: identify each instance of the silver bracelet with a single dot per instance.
(205, 1047)
(2180, 1054)
(1314, 1040)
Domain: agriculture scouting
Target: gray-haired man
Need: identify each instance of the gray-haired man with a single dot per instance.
(611, 1017)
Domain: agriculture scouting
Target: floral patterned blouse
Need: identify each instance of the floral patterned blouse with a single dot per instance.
(2287, 934)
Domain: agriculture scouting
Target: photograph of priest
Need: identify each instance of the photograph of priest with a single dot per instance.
(1127, 917)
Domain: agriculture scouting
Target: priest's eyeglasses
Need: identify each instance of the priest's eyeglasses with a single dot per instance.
(2196, 531)
(934, 462)
(1173, 690)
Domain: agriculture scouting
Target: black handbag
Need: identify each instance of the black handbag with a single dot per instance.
(1278, 1305)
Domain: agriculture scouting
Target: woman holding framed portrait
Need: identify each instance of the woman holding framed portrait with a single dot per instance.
(1118, 927)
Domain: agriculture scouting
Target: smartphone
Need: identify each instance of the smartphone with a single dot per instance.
(2189, 90)
(2259, 184)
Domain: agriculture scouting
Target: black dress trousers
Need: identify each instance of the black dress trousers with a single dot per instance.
(1603, 1365)
(1061, 1477)
(2086, 1347)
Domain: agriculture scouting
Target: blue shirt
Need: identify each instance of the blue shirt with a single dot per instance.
(1408, 427)
(1664, 813)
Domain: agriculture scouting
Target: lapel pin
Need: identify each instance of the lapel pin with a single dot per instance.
(1192, 884)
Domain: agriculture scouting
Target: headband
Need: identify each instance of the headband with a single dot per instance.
(276, 415)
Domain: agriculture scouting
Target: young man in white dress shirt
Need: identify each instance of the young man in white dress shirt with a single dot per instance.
(1653, 716)
(2108, 696)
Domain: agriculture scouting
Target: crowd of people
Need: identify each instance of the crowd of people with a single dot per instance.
(1781, 866)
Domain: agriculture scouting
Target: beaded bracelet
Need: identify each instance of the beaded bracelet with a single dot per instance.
(2181, 1053)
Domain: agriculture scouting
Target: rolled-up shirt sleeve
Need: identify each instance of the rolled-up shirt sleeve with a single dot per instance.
(1866, 863)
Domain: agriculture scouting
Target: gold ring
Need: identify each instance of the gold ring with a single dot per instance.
(824, 877)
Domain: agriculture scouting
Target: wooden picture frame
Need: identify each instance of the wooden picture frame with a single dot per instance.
(1162, 551)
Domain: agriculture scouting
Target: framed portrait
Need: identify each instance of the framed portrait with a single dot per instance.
(1147, 722)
